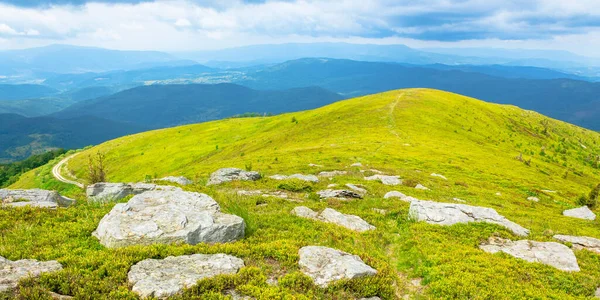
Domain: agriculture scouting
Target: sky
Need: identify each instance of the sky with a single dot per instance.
(183, 25)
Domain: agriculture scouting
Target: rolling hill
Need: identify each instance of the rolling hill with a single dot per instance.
(491, 155)
(157, 106)
(24, 91)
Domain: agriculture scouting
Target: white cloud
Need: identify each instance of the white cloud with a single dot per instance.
(5, 29)
(183, 23)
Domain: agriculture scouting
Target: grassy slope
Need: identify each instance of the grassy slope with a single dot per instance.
(411, 133)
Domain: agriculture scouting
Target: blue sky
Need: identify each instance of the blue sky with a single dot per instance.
(173, 25)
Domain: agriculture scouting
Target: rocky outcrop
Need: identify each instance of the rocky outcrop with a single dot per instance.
(13, 271)
(451, 213)
(339, 194)
(333, 216)
(581, 213)
(326, 265)
(107, 191)
(177, 179)
(330, 174)
(385, 179)
(309, 178)
(167, 217)
(580, 242)
(34, 198)
(399, 195)
(232, 174)
(548, 253)
(163, 278)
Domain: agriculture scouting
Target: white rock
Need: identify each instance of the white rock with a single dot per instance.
(304, 212)
(356, 188)
(498, 194)
(332, 185)
(356, 164)
(340, 194)
(401, 196)
(326, 265)
(167, 217)
(581, 213)
(13, 271)
(581, 242)
(548, 253)
(534, 199)
(330, 174)
(385, 179)
(452, 213)
(106, 191)
(163, 278)
(421, 187)
(439, 176)
(310, 178)
(177, 179)
(351, 222)
(231, 174)
(597, 293)
(33, 197)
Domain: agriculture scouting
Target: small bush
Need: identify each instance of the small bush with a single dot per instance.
(96, 168)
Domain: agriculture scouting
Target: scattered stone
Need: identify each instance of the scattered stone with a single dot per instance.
(401, 196)
(325, 265)
(439, 176)
(356, 164)
(106, 191)
(459, 200)
(451, 213)
(380, 211)
(163, 278)
(333, 216)
(581, 213)
(340, 194)
(231, 174)
(34, 198)
(580, 242)
(164, 217)
(548, 253)
(310, 178)
(13, 271)
(356, 188)
(385, 179)
(534, 199)
(421, 187)
(332, 185)
(177, 179)
(330, 174)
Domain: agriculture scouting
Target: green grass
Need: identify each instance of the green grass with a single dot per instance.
(411, 133)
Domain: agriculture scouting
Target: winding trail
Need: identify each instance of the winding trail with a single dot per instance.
(56, 171)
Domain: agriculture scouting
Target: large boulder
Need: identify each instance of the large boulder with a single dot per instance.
(333, 216)
(231, 174)
(325, 265)
(163, 217)
(548, 253)
(177, 179)
(385, 179)
(13, 271)
(163, 278)
(452, 213)
(107, 191)
(581, 213)
(580, 242)
(309, 178)
(33, 197)
(338, 194)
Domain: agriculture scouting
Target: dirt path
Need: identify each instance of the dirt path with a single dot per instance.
(56, 172)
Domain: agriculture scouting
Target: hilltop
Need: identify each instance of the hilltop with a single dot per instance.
(487, 155)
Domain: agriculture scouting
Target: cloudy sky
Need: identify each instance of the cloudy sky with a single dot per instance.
(173, 25)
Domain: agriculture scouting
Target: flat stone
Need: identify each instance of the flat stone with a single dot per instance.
(548, 253)
(385, 179)
(165, 217)
(11, 272)
(399, 195)
(452, 213)
(534, 199)
(340, 194)
(34, 198)
(439, 176)
(304, 212)
(421, 187)
(581, 242)
(581, 213)
(107, 191)
(326, 265)
(163, 278)
(330, 174)
(310, 178)
(333, 216)
(356, 164)
(177, 179)
(356, 188)
(232, 174)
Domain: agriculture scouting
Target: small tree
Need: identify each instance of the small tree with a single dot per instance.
(593, 197)
(96, 168)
